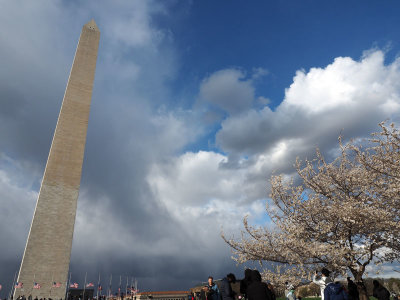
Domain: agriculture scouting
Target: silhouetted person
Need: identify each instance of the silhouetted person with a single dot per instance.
(257, 290)
(379, 291)
(245, 282)
(335, 291)
(225, 287)
(352, 289)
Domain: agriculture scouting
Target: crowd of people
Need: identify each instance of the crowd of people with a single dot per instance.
(336, 291)
(251, 287)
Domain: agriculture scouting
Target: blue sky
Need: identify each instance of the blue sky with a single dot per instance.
(195, 105)
(303, 34)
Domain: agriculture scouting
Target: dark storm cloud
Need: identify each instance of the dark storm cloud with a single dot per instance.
(121, 228)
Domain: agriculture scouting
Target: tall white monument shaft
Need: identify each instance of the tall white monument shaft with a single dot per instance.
(48, 248)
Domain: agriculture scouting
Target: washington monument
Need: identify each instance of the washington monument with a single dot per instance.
(48, 248)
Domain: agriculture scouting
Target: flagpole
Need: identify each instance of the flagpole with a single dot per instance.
(98, 286)
(126, 287)
(132, 288)
(136, 289)
(109, 288)
(119, 288)
(13, 286)
(67, 287)
(84, 287)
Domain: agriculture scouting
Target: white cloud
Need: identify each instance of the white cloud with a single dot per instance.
(194, 187)
(387, 270)
(229, 90)
(194, 179)
(129, 24)
(174, 130)
(353, 96)
(345, 83)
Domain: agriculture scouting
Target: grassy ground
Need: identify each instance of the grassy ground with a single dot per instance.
(319, 298)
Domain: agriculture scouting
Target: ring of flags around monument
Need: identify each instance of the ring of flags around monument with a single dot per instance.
(133, 290)
(19, 285)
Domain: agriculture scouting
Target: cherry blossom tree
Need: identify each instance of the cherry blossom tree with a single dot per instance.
(344, 215)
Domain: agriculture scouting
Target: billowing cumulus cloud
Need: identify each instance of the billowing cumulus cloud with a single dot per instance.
(195, 189)
(347, 94)
(347, 84)
(346, 97)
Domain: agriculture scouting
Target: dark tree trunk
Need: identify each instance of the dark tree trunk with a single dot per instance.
(362, 289)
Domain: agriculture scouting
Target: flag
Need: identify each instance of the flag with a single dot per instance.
(36, 285)
(74, 285)
(19, 285)
(89, 284)
(132, 289)
(99, 288)
(56, 284)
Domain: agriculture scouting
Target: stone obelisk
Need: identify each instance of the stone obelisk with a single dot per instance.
(48, 248)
